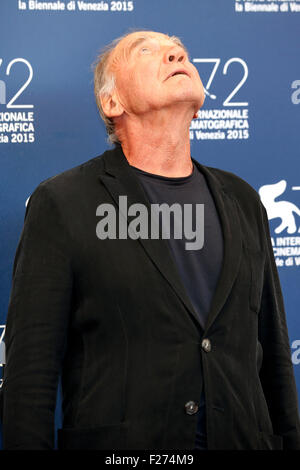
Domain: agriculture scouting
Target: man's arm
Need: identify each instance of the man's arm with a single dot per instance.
(276, 374)
(36, 326)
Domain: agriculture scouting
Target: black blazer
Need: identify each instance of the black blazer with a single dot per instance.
(114, 318)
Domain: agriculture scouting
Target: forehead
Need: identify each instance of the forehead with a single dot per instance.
(140, 36)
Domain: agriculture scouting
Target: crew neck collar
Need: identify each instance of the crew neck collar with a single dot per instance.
(165, 178)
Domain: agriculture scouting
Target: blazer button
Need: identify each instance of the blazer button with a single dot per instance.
(191, 408)
(206, 345)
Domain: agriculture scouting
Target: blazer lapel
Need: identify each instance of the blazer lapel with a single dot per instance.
(227, 209)
(120, 181)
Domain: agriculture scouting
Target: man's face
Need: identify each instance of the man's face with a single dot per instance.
(153, 72)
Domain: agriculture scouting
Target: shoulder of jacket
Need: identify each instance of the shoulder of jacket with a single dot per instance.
(72, 180)
(234, 185)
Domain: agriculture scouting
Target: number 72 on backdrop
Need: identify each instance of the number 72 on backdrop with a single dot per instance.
(215, 65)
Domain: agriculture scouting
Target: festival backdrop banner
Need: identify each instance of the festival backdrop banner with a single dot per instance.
(247, 54)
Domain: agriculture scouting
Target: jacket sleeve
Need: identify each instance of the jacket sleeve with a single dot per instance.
(276, 373)
(36, 327)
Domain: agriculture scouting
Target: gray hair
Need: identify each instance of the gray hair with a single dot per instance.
(104, 80)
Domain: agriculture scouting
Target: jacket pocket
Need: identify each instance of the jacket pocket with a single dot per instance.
(270, 441)
(108, 437)
(257, 263)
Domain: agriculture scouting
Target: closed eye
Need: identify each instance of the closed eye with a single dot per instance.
(145, 50)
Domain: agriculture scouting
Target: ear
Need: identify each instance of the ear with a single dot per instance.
(111, 105)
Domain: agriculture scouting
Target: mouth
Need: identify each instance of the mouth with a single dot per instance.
(177, 72)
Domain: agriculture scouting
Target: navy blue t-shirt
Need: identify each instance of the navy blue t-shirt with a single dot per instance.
(199, 268)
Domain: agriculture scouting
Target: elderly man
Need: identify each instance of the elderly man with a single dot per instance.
(159, 346)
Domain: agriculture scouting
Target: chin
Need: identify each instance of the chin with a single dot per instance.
(201, 101)
(192, 97)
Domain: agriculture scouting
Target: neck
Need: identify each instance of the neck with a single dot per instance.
(158, 142)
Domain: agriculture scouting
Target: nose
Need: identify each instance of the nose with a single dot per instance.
(175, 54)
